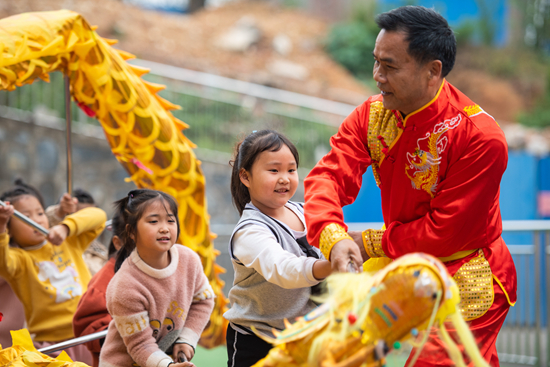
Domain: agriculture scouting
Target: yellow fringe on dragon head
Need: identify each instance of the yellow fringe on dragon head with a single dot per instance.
(364, 316)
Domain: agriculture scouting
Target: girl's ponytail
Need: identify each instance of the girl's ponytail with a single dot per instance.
(128, 243)
(239, 191)
(118, 227)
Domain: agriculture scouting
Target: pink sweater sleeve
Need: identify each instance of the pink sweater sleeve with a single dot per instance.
(201, 307)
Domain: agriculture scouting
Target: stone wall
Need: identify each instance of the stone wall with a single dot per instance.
(33, 147)
(37, 154)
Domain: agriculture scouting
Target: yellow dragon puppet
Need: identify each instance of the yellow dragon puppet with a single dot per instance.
(364, 316)
(144, 136)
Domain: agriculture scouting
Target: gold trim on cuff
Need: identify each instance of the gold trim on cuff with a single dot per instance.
(329, 236)
(372, 241)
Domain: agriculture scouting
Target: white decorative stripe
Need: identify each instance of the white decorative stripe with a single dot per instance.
(480, 112)
(234, 349)
(157, 273)
(189, 336)
(489, 115)
(205, 293)
(129, 325)
(158, 359)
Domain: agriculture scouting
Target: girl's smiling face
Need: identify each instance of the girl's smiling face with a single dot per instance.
(23, 234)
(272, 181)
(156, 233)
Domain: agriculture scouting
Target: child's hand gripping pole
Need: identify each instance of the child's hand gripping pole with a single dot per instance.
(28, 221)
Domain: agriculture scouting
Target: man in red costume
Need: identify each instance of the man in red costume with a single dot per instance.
(438, 159)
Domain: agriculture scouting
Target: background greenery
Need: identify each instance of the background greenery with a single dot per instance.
(525, 60)
(217, 357)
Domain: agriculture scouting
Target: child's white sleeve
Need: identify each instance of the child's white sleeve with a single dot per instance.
(256, 247)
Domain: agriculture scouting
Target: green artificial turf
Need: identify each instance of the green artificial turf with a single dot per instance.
(217, 357)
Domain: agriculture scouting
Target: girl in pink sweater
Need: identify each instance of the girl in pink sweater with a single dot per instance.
(160, 299)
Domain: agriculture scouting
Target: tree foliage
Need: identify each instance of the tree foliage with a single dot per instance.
(535, 16)
(351, 43)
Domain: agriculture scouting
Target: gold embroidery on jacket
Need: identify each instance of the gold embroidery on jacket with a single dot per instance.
(475, 283)
(473, 110)
(423, 164)
(331, 234)
(372, 242)
(382, 132)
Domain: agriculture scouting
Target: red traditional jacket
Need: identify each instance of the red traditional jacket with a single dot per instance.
(439, 172)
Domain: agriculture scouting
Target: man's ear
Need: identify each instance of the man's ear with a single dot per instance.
(243, 175)
(435, 70)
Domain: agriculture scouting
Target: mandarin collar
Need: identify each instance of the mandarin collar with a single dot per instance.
(426, 112)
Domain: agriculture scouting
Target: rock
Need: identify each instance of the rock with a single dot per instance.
(241, 36)
(288, 69)
(520, 137)
(516, 135)
(308, 45)
(537, 145)
(282, 44)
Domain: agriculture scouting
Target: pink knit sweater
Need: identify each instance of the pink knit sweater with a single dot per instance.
(154, 308)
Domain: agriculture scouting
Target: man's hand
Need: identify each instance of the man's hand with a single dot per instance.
(187, 351)
(5, 213)
(358, 238)
(345, 253)
(58, 234)
(67, 205)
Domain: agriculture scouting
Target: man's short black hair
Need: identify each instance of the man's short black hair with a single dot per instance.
(428, 33)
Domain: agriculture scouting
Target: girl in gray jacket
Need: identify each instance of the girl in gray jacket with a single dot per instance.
(275, 267)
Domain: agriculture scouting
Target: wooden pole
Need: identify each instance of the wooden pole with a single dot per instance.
(68, 130)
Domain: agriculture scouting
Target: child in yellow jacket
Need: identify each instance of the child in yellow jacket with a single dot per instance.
(48, 274)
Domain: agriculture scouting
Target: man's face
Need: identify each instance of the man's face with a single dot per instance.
(402, 81)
